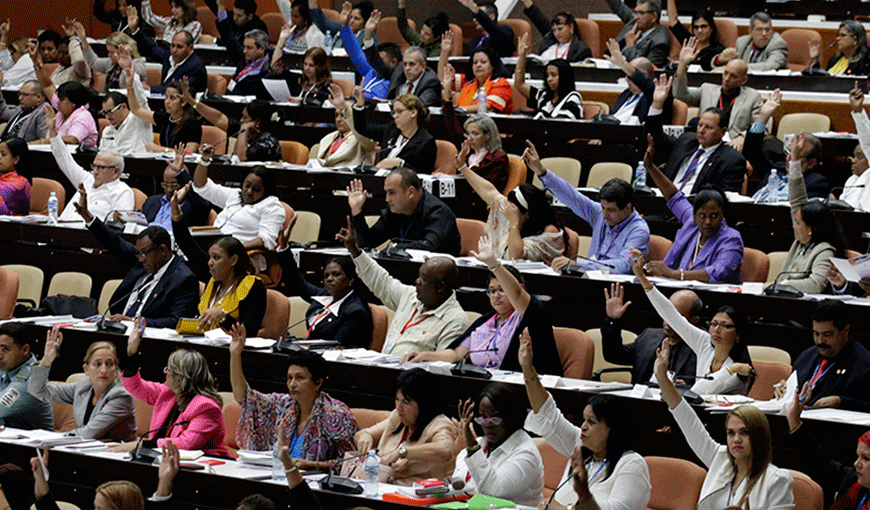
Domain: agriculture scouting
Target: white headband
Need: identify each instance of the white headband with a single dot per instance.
(520, 198)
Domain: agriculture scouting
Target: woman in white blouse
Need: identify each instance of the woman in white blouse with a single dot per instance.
(724, 366)
(616, 477)
(739, 474)
(503, 461)
(253, 214)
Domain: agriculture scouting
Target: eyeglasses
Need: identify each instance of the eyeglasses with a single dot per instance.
(495, 291)
(105, 113)
(396, 112)
(100, 168)
(143, 254)
(492, 420)
(638, 12)
(170, 185)
(98, 364)
(22, 93)
(721, 325)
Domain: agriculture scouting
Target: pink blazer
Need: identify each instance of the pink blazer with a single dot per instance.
(205, 430)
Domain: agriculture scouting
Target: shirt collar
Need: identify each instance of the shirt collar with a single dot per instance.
(439, 312)
(334, 307)
(619, 227)
(12, 373)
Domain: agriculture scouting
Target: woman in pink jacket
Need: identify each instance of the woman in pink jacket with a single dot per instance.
(187, 407)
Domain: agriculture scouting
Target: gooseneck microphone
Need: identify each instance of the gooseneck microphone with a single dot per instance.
(148, 455)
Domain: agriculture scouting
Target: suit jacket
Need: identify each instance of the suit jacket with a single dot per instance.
(32, 127)
(193, 68)
(725, 167)
(194, 208)
(577, 50)
(647, 86)
(848, 377)
(858, 67)
(745, 109)
(428, 88)
(641, 354)
(112, 417)
(656, 46)
(500, 37)
(817, 184)
(773, 56)
(176, 295)
(419, 153)
(251, 85)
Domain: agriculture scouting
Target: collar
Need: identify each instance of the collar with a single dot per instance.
(709, 150)
(162, 271)
(439, 312)
(511, 443)
(257, 63)
(173, 64)
(334, 306)
(12, 373)
(619, 227)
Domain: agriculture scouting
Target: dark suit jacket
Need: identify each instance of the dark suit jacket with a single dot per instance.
(656, 46)
(194, 208)
(176, 295)
(848, 378)
(419, 153)
(641, 354)
(501, 37)
(251, 85)
(352, 325)
(817, 184)
(577, 51)
(428, 88)
(193, 68)
(641, 108)
(725, 167)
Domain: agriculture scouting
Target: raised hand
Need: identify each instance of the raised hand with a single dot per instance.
(344, 15)
(613, 301)
(650, 154)
(286, 32)
(186, 96)
(4, 30)
(348, 237)
(33, 51)
(690, 51)
(53, 340)
(533, 160)
(176, 200)
(206, 151)
(237, 342)
(170, 463)
(523, 47)
(580, 475)
(512, 213)
(770, 105)
(856, 98)
(470, 4)
(135, 336)
(526, 353)
(336, 97)
(82, 205)
(663, 357)
(663, 89)
(68, 27)
(132, 19)
(637, 263)
(177, 164)
(446, 43)
(466, 414)
(125, 61)
(359, 96)
(615, 52)
(372, 22)
(484, 251)
(80, 31)
(356, 196)
(799, 147)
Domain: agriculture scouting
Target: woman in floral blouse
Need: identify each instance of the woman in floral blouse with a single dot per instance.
(319, 429)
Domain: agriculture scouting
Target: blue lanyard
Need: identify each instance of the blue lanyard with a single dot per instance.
(592, 478)
(861, 504)
(814, 379)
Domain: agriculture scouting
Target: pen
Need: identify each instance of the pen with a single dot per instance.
(42, 462)
(779, 385)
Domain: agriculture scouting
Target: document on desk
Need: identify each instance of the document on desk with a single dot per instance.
(838, 415)
(855, 268)
(47, 437)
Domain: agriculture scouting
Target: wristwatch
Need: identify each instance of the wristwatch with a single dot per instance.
(403, 452)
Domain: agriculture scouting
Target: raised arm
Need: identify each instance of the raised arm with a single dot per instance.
(481, 186)
(42, 73)
(617, 58)
(515, 292)
(534, 388)
(134, 86)
(660, 369)
(665, 185)
(520, 69)
(446, 46)
(409, 34)
(200, 175)
(237, 376)
(215, 117)
(278, 52)
(673, 17)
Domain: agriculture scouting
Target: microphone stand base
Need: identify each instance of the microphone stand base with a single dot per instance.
(340, 484)
(783, 291)
(143, 455)
(287, 346)
(112, 327)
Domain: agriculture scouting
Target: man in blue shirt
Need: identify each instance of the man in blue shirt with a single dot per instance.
(616, 226)
(18, 408)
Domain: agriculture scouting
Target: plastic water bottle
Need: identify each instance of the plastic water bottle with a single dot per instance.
(277, 465)
(52, 208)
(640, 175)
(481, 101)
(372, 466)
(772, 186)
(328, 42)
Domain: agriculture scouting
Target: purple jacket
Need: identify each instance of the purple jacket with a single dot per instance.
(721, 256)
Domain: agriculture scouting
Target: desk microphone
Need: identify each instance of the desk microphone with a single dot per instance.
(784, 290)
(148, 455)
(605, 264)
(287, 343)
(110, 326)
(363, 168)
(340, 483)
(553, 495)
(223, 159)
(467, 369)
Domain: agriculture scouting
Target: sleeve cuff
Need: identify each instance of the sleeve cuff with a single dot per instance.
(757, 127)
(157, 499)
(368, 43)
(654, 111)
(221, 16)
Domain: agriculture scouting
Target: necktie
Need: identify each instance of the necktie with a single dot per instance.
(691, 170)
(131, 312)
(753, 57)
(410, 88)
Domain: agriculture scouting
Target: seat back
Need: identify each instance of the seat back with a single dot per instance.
(776, 259)
(365, 418)
(457, 50)
(519, 26)
(769, 373)
(274, 21)
(106, 292)
(380, 323)
(676, 483)
(470, 232)
(573, 243)
(208, 20)
(139, 198)
(30, 281)
(798, 40)
(154, 75)
(217, 84)
(517, 173)
(600, 362)
(808, 494)
(388, 31)
(691, 113)
(766, 353)
(566, 168)
(797, 122)
(294, 153)
(600, 173)
(298, 307)
(70, 283)
(520, 102)
(307, 227)
(658, 247)
(576, 352)
(41, 190)
(755, 266)
(680, 111)
(212, 135)
(277, 315)
(589, 32)
(593, 108)
(64, 418)
(554, 466)
(143, 416)
(444, 158)
(727, 32)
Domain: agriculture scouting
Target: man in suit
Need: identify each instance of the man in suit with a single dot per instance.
(634, 101)
(413, 218)
(696, 159)
(641, 354)
(159, 285)
(500, 37)
(837, 370)
(27, 120)
(251, 57)
(642, 35)
(762, 50)
(739, 102)
(412, 77)
(244, 19)
(157, 207)
(180, 61)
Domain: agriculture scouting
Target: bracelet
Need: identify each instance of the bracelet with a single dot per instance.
(728, 369)
(682, 274)
(494, 267)
(204, 162)
(530, 379)
(292, 470)
(513, 227)
(195, 104)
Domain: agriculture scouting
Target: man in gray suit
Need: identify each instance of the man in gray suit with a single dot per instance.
(762, 50)
(741, 103)
(642, 35)
(413, 76)
(27, 120)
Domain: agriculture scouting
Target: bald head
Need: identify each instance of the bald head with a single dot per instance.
(734, 75)
(690, 306)
(644, 65)
(437, 280)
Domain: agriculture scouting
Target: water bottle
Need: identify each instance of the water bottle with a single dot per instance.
(640, 176)
(277, 465)
(52, 208)
(328, 42)
(372, 467)
(481, 100)
(772, 187)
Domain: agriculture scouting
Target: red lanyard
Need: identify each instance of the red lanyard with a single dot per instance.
(729, 104)
(317, 319)
(563, 54)
(409, 325)
(340, 140)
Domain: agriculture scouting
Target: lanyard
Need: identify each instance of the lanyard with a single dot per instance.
(816, 375)
(721, 107)
(565, 53)
(409, 325)
(319, 317)
(592, 478)
(340, 140)
(861, 504)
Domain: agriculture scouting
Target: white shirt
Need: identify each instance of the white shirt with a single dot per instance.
(20, 72)
(626, 111)
(173, 66)
(557, 50)
(628, 486)
(859, 198)
(329, 307)
(110, 196)
(403, 89)
(513, 471)
(684, 167)
(133, 133)
(146, 290)
(245, 222)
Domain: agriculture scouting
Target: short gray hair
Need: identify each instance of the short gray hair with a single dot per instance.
(261, 39)
(655, 6)
(117, 159)
(37, 87)
(487, 125)
(418, 50)
(759, 16)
